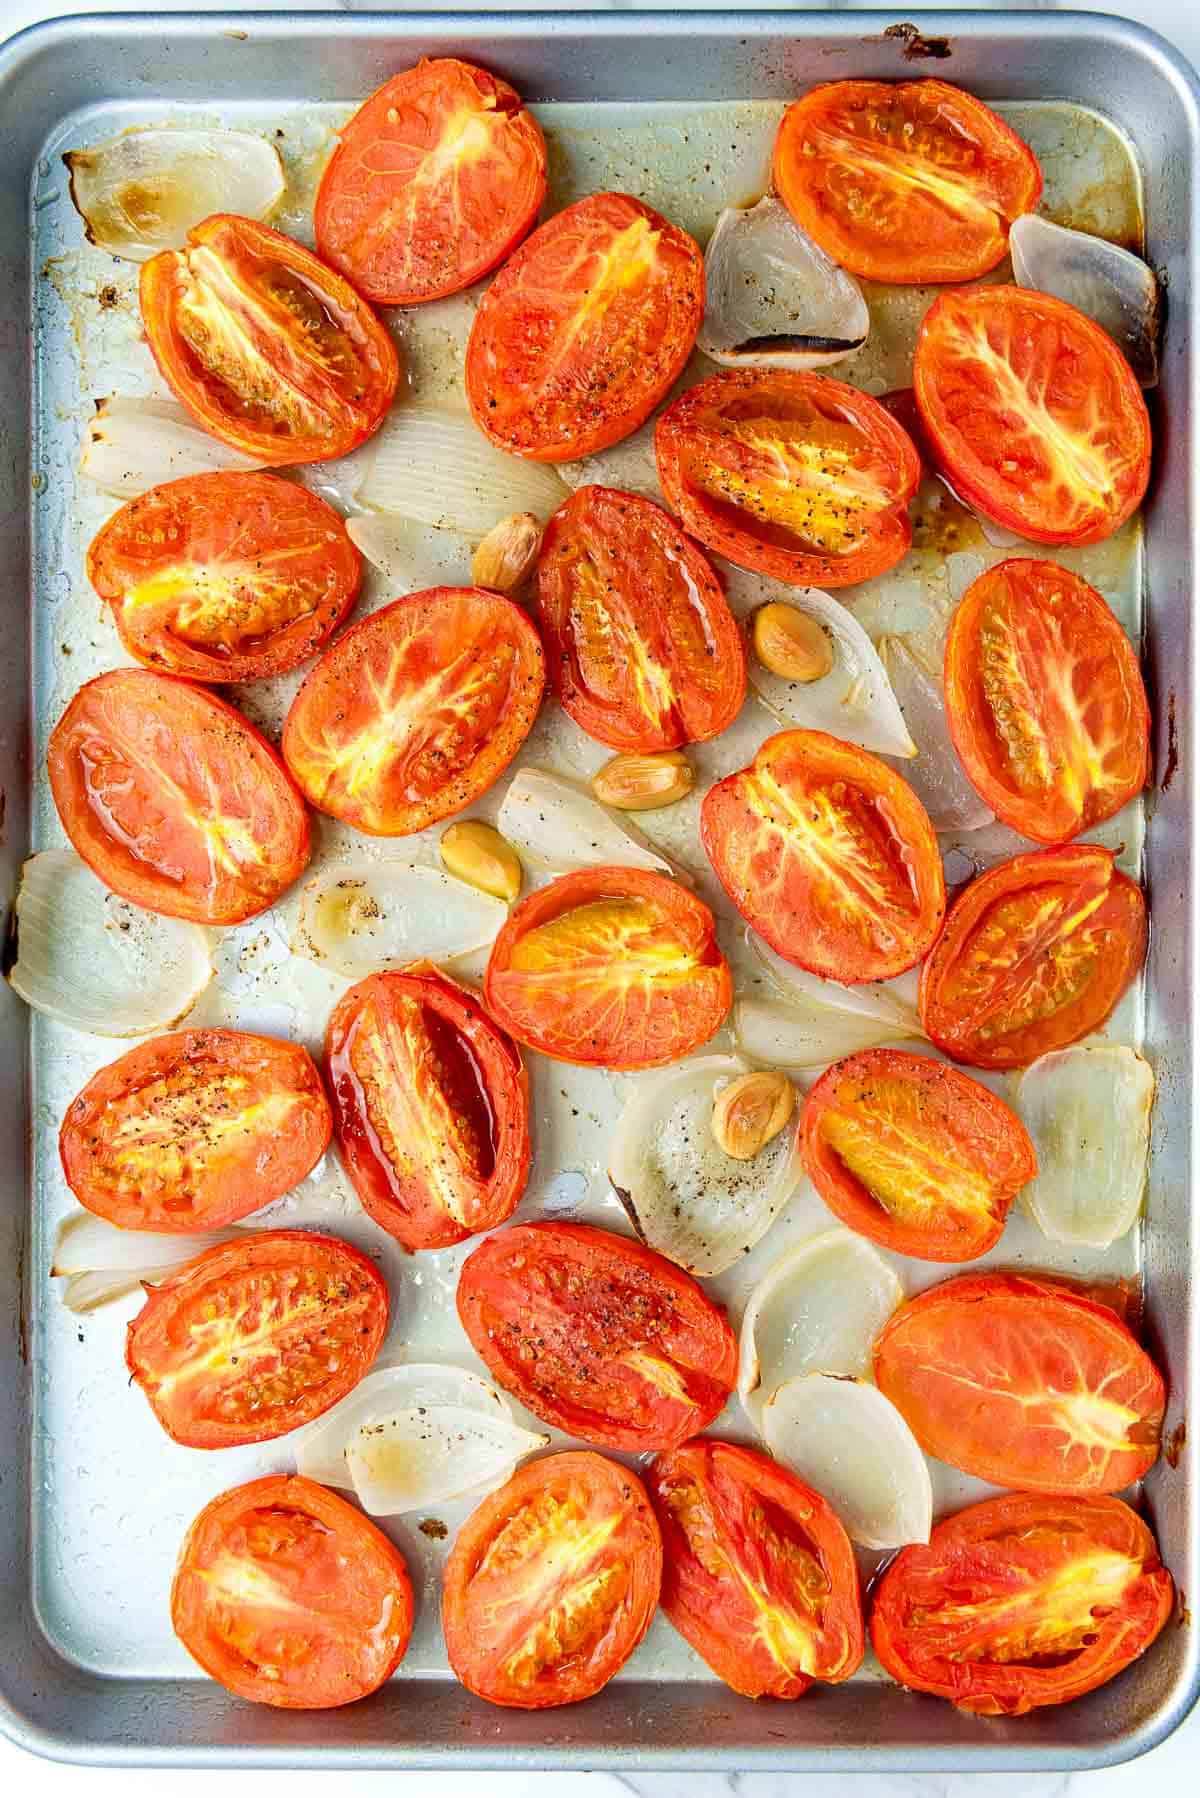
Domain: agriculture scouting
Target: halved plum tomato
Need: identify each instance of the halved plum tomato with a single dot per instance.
(829, 855)
(1035, 954)
(287, 1595)
(194, 1130)
(255, 1338)
(610, 967)
(597, 1335)
(641, 646)
(268, 348)
(758, 1575)
(416, 710)
(914, 1154)
(904, 181)
(1045, 701)
(1021, 1601)
(174, 799)
(1033, 413)
(584, 329)
(434, 180)
(225, 576)
(1022, 1381)
(793, 475)
(430, 1106)
(552, 1582)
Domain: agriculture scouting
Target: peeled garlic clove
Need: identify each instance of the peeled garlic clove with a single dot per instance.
(414, 557)
(847, 1440)
(132, 445)
(791, 643)
(96, 962)
(643, 782)
(1113, 286)
(935, 773)
(366, 916)
(1088, 1112)
(320, 1447)
(752, 1110)
(684, 1195)
(508, 554)
(433, 466)
(774, 299)
(818, 1309)
(476, 852)
(890, 1003)
(430, 1454)
(143, 191)
(554, 822)
(100, 1263)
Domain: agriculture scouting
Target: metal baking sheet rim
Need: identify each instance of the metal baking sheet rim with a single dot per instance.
(62, 1711)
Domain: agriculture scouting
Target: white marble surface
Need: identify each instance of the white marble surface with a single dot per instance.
(1173, 1768)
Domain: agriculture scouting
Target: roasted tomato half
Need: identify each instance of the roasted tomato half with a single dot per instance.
(267, 347)
(256, 1337)
(1022, 1381)
(1033, 413)
(430, 1105)
(904, 181)
(1035, 954)
(759, 1575)
(642, 650)
(597, 1335)
(584, 329)
(1045, 700)
(416, 710)
(194, 1130)
(793, 475)
(174, 799)
(552, 1582)
(225, 577)
(1022, 1601)
(829, 855)
(434, 180)
(913, 1154)
(610, 967)
(289, 1596)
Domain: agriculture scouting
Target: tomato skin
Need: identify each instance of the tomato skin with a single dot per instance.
(949, 1155)
(381, 168)
(1016, 936)
(225, 576)
(473, 660)
(989, 361)
(1045, 701)
(754, 828)
(840, 158)
(313, 1313)
(1021, 1381)
(558, 367)
(129, 742)
(182, 1093)
(501, 1611)
(236, 282)
(597, 1335)
(642, 649)
(734, 1524)
(719, 447)
(343, 1586)
(930, 1625)
(587, 929)
(485, 1097)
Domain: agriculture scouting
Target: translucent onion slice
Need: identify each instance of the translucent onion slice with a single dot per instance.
(412, 556)
(143, 191)
(360, 917)
(430, 1454)
(892, 1003)
(1113, 286)
(684, 1195)
(935, 772)
(801, 1036)
(100, 1263)
(132, 445)
(95, 961)
(774, 299)
(434, 466)
(817, 1309)
(554, 822)
(320, 1447)
(850, 1442)
(1088, 1112)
